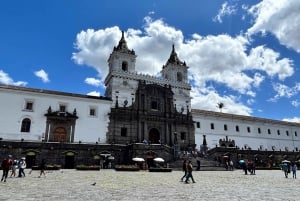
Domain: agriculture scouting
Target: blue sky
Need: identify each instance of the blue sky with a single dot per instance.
(243, 53)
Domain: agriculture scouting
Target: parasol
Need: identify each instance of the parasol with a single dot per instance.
(159, 160)
(138, 159)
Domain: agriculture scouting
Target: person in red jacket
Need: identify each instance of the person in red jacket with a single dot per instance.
(6, 164)
(189, 172)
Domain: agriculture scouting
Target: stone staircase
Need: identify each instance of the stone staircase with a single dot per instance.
(205, 164)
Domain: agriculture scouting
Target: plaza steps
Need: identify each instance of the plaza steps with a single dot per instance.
(205, 164)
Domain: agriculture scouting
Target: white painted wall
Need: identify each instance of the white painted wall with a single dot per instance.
(88, 129)
(252, 139)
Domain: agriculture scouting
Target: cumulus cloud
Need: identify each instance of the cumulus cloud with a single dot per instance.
(226, 9)
(6, 79)
(42, 75)
(267, 60)
(295, 119)
(208, 98)
(281, 18)
(224, 59)
(93, 81)
(284, 91)
(295, 103)
(94, 93)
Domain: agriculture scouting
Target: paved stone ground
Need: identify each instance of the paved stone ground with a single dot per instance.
(112, 185)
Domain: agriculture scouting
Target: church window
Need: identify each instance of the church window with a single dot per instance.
(269, 131)
(179, 76)
(225, 127)
(258, 130)
(212, 126)
(237, 128)
(296, 133)
(248, 129)
(29, 105)
(182, 136)
(198, 124)
(25, 127)
(124, 66)
(62, 108)
(93, 112)
(278, 132)
(123, 132)
(287, 133)
(154, 105)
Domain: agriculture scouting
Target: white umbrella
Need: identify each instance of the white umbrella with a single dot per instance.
(111, 158)
(286, 161)
(138, 159)
(105, 155)
(241, 161)
(159, 160)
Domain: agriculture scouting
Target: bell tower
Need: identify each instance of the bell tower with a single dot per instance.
(122, 59)
(176, 72)
(119, 83)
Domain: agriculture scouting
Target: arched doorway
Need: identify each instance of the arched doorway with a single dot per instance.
(30, 159)
(154, 136)
(60, 134)
(70, 160)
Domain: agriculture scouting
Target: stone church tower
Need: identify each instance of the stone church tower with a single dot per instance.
(148, 108)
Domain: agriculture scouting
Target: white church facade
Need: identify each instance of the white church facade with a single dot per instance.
(135, 108)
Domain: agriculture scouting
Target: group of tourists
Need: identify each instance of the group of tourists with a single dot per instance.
(9, 164)
(14, 165)
(248, 166)
(287, 168)
(187, 168)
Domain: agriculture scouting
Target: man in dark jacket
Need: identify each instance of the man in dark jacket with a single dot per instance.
(6, 164)
(189, 172)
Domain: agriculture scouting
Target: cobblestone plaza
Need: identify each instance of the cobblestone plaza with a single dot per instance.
(116, 185)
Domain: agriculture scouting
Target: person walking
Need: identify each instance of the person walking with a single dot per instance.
(198, 165)
(22, 166)
(284, 167)
(43, 168)
(189, 172)
(184, 169)
(6, 164)
(14, 168)
(294, 170)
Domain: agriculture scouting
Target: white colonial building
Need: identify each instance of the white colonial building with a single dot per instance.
(37, 114)
(246, 132)
(136, 107)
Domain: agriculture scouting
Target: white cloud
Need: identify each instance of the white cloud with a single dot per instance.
(5, 79)
(94, 93)
(295, 103)
(221, 58)
(281, 18)
(267, 60)
(284, 91)
(295, 119)
(208, 99)
(226, 9)
(42, 75)
(93, 81)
